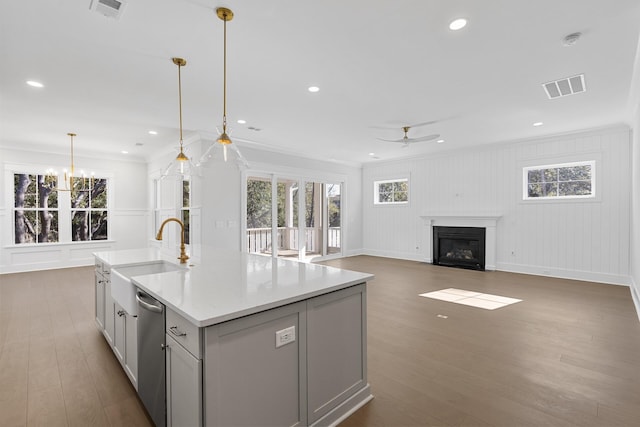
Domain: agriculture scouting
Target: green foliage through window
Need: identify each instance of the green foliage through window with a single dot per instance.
(391, 192)
(569, 180)
(89, 215)
(36, 209)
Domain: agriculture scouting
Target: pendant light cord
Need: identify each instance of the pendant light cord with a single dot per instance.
(224, 79)
(180, 103)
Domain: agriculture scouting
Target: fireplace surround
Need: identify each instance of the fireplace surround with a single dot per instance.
(462, 247)
(487, 221)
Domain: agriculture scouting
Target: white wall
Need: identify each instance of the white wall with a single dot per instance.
(586, 240)
(127, 221)
(635, 212)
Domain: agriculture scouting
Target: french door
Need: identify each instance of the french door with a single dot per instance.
(282, 220)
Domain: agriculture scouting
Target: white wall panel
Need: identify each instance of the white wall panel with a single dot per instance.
(585, 239)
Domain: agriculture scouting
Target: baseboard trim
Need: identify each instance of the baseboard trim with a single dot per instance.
(346, 409)
(635, 296)
(588, 276)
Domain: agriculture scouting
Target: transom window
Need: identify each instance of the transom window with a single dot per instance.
(560, 181)
(391, 192)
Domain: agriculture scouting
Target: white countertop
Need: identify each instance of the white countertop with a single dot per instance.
(229, 285)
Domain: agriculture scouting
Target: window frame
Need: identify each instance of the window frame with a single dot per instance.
(90, 209)
(376, 192)
(64, 210)
(576, 197)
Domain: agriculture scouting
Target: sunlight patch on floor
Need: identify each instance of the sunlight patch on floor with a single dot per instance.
(471, 298)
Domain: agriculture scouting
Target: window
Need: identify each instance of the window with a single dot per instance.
(561, 181)
(186, 203)
(36, 209)
(39, 207)
(391, 192)
(89, 217)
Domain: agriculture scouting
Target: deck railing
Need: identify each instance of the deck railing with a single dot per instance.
(259, 239)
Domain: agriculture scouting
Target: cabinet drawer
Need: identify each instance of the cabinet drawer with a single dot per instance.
(184, 332)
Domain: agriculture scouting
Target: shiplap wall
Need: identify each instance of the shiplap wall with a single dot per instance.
(580, 239)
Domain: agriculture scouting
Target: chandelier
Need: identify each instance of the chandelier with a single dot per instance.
(69, 181)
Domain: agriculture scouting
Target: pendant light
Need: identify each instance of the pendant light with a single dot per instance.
(53, 182)
(181, 167)
(223, 141)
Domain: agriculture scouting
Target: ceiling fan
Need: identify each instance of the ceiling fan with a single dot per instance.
(406, 140)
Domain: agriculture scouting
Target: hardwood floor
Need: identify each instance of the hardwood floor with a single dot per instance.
(567, 355)
(56, 369)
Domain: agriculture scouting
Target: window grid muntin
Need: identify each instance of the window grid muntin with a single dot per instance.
(554, 178)
(391, 192)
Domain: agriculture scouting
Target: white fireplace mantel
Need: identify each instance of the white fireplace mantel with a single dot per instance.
(489, 222)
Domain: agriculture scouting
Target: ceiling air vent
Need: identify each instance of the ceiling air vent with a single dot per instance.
(108, 8)
(565, 87)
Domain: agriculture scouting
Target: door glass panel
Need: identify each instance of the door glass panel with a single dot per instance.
(334, 215)
(287, 218)
(313, 218)
(259, 215)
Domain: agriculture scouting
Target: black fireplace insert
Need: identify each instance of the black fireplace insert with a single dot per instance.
(462, 247)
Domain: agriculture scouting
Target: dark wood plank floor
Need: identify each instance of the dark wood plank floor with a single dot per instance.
(568, 355)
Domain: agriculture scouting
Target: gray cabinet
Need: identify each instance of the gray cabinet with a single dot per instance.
(119, 333)
(99, 300)
(119, 328)
(336, 349)
(131, 348)
(184, 386)
(109, 314)
(252, 380)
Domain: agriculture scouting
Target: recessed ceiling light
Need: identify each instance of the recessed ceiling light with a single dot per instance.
(372, 154)
(34, 83)
(153, 132)
(440, 141)
(313, 88)
(124, 152)
(242, 121)
(458, 24)
(538, 124)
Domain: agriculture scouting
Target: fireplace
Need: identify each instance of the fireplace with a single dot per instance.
(462, 247)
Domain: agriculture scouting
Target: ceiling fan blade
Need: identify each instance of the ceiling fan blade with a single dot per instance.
(423, 124)
(424, 138)
(392, 140)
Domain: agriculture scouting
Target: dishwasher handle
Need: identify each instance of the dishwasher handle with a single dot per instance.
(156, 308)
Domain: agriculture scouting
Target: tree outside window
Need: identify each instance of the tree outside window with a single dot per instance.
(186, 203)
(391, 192)
(36, 209)
(568, 180)
(89, 215)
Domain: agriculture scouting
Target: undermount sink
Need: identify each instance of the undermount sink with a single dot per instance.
(123, 290)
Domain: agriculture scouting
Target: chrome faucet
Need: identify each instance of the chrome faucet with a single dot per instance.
(183, 255)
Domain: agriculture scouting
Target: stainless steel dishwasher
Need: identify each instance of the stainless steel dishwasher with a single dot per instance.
(151, 359)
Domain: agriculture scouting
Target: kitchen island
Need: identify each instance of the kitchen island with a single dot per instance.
(255, 340)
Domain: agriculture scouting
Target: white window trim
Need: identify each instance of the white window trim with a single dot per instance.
(64, 208)
(525, 181)
(376, 191)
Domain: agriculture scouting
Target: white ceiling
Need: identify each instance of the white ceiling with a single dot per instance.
(377, 63)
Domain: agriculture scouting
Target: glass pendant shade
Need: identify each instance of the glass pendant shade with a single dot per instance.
(181, 167)
(223, 147)
(219, 151)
